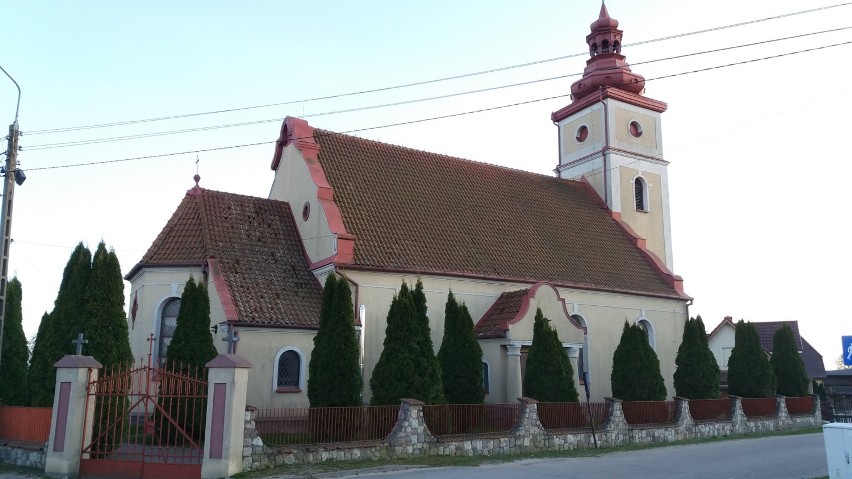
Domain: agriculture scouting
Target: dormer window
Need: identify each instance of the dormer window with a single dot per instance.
(640, 190)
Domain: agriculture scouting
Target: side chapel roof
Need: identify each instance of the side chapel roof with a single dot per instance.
(258, 251)
(426, 213)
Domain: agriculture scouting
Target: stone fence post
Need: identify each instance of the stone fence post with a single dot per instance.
(71, 425)
(528, 428)
(615, 431)
(738, 417)
(685, 424)
(227, 384)
(410, 436)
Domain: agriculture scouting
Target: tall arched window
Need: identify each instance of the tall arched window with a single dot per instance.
(168, 322)
(581, 357)
(486, 383)
(649, 331)
(640, 191)
(289, 370)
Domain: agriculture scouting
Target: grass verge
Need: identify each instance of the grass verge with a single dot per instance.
(308, 470)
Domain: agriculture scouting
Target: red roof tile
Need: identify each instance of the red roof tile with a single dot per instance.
(416, 211)
(495, 321)
(258, 250)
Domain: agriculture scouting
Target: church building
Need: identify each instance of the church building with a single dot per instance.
(591, 245)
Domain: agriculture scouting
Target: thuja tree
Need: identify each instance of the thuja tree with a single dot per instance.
(53, 339)
(401, 371)
(334, 371)
(105, 323)
(190, 349)
(460, 356)
(635, 368)
(431, 366)
(13, 365)
(791, 378)
(697, 374)
(749, 371)
(549, 376)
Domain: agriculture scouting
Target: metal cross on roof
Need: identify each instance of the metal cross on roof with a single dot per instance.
(80, 342)
(232, 339)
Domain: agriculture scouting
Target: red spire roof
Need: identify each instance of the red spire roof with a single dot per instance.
(607, 66)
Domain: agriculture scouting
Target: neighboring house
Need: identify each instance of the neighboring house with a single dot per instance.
(590, 246)
(721, 342)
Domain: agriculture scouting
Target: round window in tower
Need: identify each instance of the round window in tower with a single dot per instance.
(306, 211)
(582, 133)
(635, 128)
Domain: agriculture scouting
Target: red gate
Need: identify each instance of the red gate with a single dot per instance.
(148, 422)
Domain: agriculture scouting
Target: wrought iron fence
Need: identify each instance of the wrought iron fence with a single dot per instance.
(710, 409)
(303, 426)
(759, 407)
(27, 424)
(470, 419)
(800, 406)
(650, 412)
(572, 415)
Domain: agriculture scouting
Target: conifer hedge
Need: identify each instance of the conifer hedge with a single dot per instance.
(460, 356)
(105, 323)
(697, 374)
(635, 368)
(750, 374)
(790, 375)
(13, 366)
(549, 376)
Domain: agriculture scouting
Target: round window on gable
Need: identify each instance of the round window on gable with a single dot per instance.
(582, 134)
(306, 211)
(635, 128)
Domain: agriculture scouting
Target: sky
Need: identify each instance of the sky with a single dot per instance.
(757, 172)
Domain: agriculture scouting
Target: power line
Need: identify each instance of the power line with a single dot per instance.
(407, 102)
(441, 117)
(431, 81)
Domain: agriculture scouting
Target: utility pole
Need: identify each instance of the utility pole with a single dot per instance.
(12, 174)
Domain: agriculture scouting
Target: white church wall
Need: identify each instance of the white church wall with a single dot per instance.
(260, 346)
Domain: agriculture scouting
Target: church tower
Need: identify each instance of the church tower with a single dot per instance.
(610, 135)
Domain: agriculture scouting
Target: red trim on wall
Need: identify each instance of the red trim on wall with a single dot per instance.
(525, 305)
(61, 417)
(222, 289)
(609, 92)
(297, 131)
(217, 429)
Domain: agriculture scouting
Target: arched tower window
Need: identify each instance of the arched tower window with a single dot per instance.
(640, 192)
(168, 322)
(605, 46)
(594, 49)
(616, 47)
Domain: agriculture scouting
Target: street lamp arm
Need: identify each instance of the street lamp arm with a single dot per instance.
(18, 106)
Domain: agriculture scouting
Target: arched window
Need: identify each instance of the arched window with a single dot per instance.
(640, 192)
(605, 46)
(289, 370)
(485, 380)
(581, 357)
(648, 328)
(168, 322)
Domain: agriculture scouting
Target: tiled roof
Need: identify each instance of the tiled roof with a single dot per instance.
(428, 213)
(495, 321)
(813, 361)
(766, 331)
(258, 250)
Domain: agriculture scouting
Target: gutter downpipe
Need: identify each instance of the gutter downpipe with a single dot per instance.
(605, 149)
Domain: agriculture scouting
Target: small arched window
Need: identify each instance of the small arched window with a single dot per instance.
(168, 323)
(485, 381)
(616, 47)
(640, 192)
(648, 328)
(289, 370)
(582, 364)
(605, 46)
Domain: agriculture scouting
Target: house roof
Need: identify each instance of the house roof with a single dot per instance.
(415, 211)
(256, 247)
(766, 331)
(495, 322)
(813, 361)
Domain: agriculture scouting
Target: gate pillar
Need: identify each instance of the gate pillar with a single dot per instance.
(70, 427)
(227, 383)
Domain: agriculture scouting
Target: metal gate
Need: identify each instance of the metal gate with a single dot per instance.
(147, 422)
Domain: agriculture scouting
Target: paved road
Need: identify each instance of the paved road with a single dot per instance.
(781, 457)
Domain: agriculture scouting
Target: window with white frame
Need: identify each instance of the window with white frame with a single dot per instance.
(648, 328)
(581, 358)
(168, 323)
(289, 370)
(640, 193)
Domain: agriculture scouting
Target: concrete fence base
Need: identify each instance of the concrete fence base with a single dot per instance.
(411, 437)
